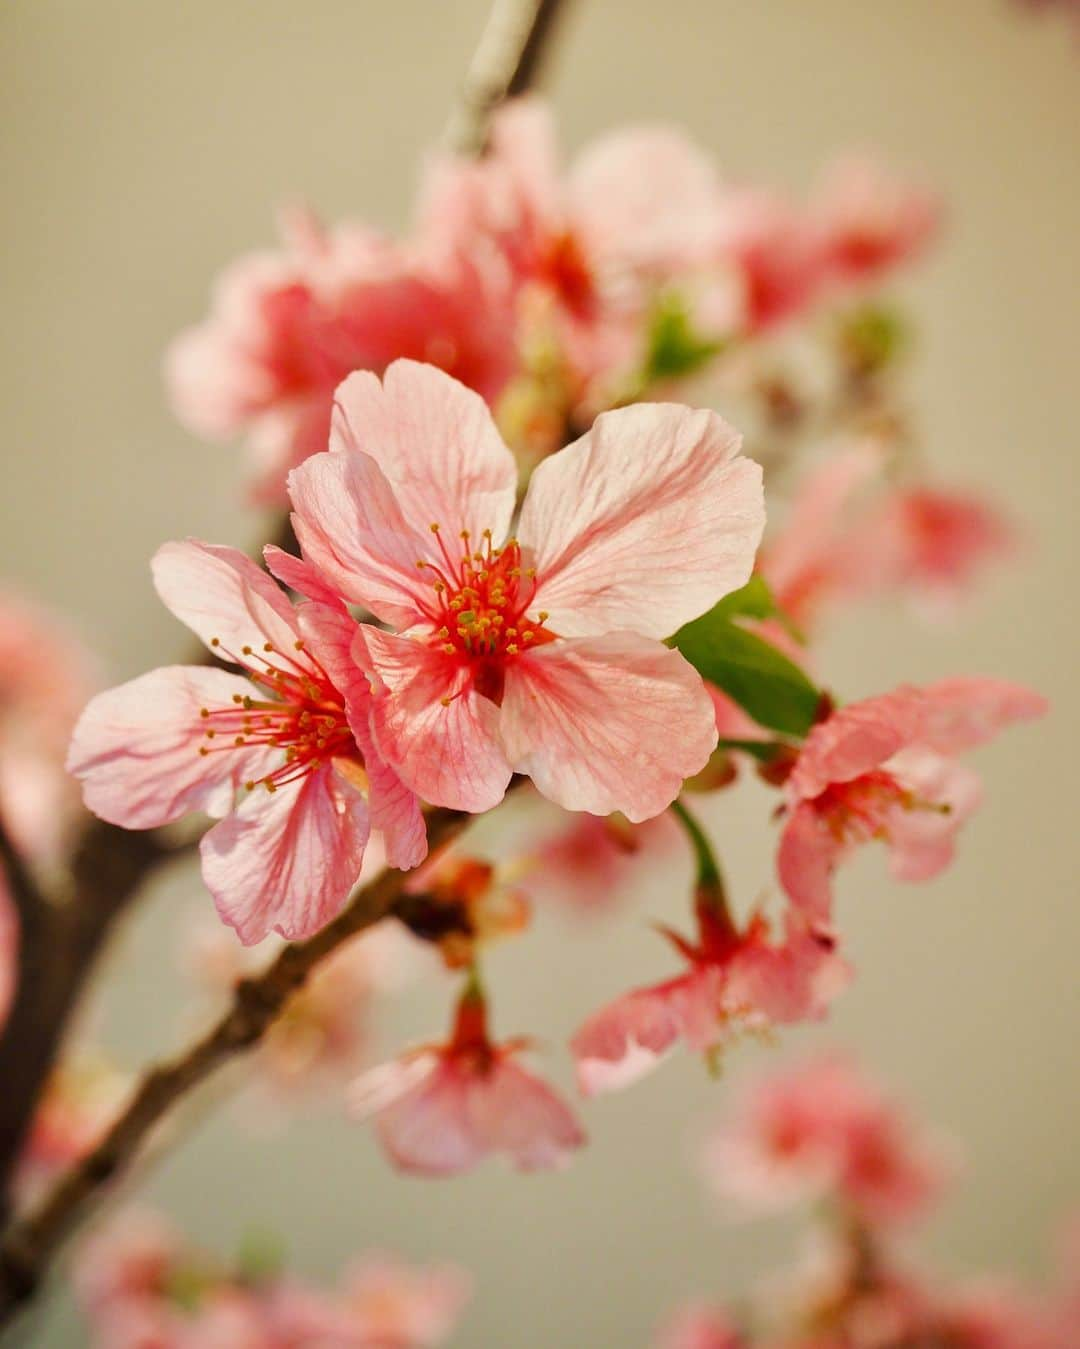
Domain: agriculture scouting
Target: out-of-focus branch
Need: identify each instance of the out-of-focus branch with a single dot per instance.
(30, 1242)
(507, 62)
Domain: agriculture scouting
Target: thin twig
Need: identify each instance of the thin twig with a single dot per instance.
(507, 62)
(30, 1242)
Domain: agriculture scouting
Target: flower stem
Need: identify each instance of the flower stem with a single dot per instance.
(710, 896)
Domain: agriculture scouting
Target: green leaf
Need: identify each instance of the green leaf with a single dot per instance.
(675, 349)
(765, 684)
(753, 600)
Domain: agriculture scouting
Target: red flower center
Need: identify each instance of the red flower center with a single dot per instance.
(480, 607)
(301, 713)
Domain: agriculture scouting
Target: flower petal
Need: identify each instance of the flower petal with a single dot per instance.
(855, 740)
(352, 529)
(220, 593)
(643, 523)
(805, 861)
(136, 748)
(515, 1112)
(645, 197)
(285, 861)
(436, 442)
(299, 575)
(448, 754)
(395, 810)
(626, 1039)
(607, 723)
(428, 1131)
(963, 712)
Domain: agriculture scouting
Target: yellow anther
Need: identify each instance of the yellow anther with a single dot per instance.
(268, 646)
(215, 641)
(544, 615)
(249, 786)
(464, 535)
(443, 632)
(271, 786)
(449, 648)
(204, 711)
(210, 734)
(203, 750)
(512, 649)
(487, 534)
(527, 635)
(298, 645)
(245, 650)
(239, 740)
(445, 701)
(530, 572)
(434, 527)
(420, 565)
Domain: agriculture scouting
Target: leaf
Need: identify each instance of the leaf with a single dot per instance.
(765, 684)
(675, 349)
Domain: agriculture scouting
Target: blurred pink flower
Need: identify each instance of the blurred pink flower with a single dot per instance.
(190, 738)
(82, 1097)
(382, 1304)
(735, 982)
(775, 252)
(637, 211)
(884, 768)
(46, 676)
(820, 1130)
(441, 1109)
(699, 1326)
(540, 655)
(870, 221)
(287, 326)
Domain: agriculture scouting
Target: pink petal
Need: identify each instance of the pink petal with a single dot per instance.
(286, 861)
(626, 1039)
(643, 523)
(220, 593)
(855, 740)
(436, 442)
(607, 723)
(922, 838)
(299, 575)
(961, 713)
(524, 145)
(449, 755)
(395, 810)
(513, 1111)
(352, 529)
(805, 861)
(428, 1131)
(645, 198)
(136, 748)
(793, 981)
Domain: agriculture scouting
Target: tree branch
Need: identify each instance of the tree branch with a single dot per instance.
(30, 1242)
(507, 62)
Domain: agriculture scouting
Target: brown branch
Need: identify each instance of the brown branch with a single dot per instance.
(507, 63)
(30, 1242)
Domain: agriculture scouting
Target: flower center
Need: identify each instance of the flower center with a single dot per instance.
(294, 707)
(562, 265)
(480, 606)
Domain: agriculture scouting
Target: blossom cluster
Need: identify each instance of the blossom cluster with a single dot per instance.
(821, 1130)
(140, 1282)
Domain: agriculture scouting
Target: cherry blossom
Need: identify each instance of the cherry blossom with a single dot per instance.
(441, 1109)
(885, 768)
(735, 982)
(287, 325)
(537, 653)
(289, 737)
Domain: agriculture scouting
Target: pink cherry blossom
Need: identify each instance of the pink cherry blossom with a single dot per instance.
(287, 326)
(290, 737)
(441, 1109)
(382, 1304)
(699, 1326)
(588, 250)
(884, 768)
(734, 982)
(540, 654)
(820, 1130)
(46, 675)
(871, 221)
(587, 862)
(774, 251)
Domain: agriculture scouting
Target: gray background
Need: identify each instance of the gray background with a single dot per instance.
(145, 144)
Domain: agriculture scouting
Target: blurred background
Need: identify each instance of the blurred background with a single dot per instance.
(144, 145)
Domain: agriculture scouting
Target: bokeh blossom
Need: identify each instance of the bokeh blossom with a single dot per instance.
(441, 1109)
